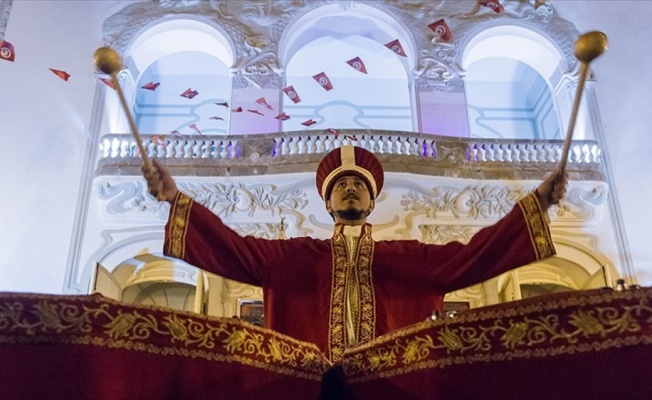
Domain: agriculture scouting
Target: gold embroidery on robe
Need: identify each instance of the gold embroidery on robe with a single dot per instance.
(536, 225)
(364, 313)
(179, 225)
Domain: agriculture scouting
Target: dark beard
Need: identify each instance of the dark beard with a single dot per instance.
(351, 214)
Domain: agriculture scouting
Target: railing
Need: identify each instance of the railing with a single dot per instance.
(253, 147)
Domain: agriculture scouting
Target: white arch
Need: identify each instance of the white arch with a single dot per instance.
(168, 37)
(359, 19)
(516, 43)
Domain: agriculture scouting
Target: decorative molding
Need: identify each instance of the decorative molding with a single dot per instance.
(472, 202)
(442, 234)
(259, 230)
(5, 12)
(256, 28)
(227, 200)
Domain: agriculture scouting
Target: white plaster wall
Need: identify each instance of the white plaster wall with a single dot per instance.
(45, 123)
(45, 127)
(624, 92)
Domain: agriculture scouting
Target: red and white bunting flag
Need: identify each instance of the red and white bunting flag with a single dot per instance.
(176, 133)
(357, 64)
(282, 116)
(61, 74)
(255, 112)
(396, 47)
(292, 94)
(189, 93)
(160, 140)
(323, 80)
(7, 51)
(216, 117)
(263, 102)
(194, 128)
(237, 109)
(352, 138)
(151, 85)
(333, 131)
(309, 122)
(108, 82)
(223, 104)
(493, 4)
(442, 30)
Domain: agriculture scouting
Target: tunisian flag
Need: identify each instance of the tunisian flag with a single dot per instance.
(151, 85)
(108, 82)
(61, 74)
(189, 93)
(282, 116)
(292, 94)
(194, 128)
(264, 102)
(357, 64)
(442, 30)
(323, 80)
(396, 47)
(493, 4)
(7, 51)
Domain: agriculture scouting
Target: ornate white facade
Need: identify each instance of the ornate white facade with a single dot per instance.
(444, 181)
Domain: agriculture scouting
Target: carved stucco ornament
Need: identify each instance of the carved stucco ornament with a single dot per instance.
(255, 28)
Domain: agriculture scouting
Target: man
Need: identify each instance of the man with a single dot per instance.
(349, 289)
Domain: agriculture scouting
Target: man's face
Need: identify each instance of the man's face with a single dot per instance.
(350, 200)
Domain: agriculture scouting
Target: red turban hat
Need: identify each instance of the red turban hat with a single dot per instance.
(346, 161)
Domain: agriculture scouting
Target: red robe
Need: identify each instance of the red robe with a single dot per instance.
(400, 282)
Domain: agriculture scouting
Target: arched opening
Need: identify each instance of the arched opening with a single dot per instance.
(511, 74)
(329, 41)
(180, 72)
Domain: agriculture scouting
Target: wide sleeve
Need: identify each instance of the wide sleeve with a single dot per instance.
(519, 238)
(196, 235)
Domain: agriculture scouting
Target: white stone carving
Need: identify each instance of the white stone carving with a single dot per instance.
(228, 199)
(442, 234)
(5, 11)
(473, 202)
(255, 29)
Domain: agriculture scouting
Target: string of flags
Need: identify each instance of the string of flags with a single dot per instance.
(440, 29)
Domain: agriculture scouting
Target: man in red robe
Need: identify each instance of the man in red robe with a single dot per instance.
(349, 289)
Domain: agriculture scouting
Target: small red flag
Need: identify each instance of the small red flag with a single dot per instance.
(352, 138)
(189, 93)
(223, 104)
(215, 117)
(308, 122)
(292, 94)
(442, 30)
(151, 86)
(61, 74)
(493, 4)
(194, 128)
(396, 47)
(7, 51)
(264, 102)
(108, 82)
(333, 131)
(282, 116)
(323, 80)
(357, 64)
(256, 112)
(237, 109)
(176, 133)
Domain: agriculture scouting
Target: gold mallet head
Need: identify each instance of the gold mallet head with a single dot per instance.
(590, 46)
(107, 60)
